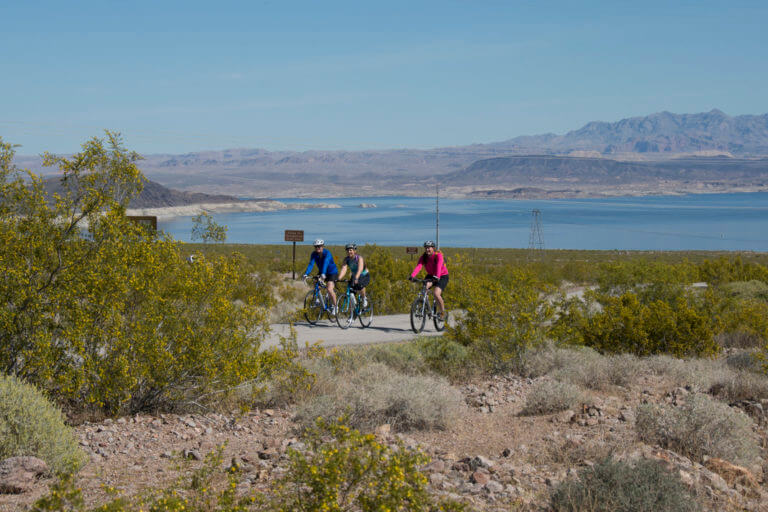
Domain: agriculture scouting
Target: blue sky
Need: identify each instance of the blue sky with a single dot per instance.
(174, 77)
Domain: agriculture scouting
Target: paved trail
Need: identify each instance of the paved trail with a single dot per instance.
(384, 329)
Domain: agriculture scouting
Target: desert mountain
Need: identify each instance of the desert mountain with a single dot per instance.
(663, 132)
(153, 195)
(685, 148)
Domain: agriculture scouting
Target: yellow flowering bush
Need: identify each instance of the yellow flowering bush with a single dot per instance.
(624, 324)
(97, 310)
(343, 469)
(501, 319)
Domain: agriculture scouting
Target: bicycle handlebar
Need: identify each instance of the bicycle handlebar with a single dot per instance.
(313, 278)
(422, 281)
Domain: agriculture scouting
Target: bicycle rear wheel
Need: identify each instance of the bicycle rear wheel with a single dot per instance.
(313, 307)
(366, 313)
(346, 311)
(439, 319)
(418, 315)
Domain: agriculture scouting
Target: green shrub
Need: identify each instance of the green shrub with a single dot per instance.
(745, 323)
(377, 394)
(99, 312)
(501, 319)
(700, 427)
(343, 469)
(445, 357)
(31, 425)
(614, 486)
(547, 396)
(624, 324)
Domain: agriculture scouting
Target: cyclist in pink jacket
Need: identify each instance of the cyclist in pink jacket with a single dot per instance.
(434, 264)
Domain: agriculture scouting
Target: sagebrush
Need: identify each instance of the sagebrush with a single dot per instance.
(32, 425)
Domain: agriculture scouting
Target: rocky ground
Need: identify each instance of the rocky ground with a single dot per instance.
(492, 457)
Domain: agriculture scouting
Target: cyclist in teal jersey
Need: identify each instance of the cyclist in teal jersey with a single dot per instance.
(359, 274)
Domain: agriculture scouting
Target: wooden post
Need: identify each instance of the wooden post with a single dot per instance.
(294, 235)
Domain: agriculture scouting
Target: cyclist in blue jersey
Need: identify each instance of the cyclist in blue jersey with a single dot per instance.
(323, 258)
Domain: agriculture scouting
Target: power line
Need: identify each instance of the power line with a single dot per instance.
(535, 240)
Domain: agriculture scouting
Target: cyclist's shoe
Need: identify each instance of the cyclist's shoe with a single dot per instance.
(365, 303)
(334, 310)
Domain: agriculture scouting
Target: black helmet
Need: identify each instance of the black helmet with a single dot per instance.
(350, 245)
(429, 243)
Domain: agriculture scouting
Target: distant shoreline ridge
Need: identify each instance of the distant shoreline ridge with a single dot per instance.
(191, 210)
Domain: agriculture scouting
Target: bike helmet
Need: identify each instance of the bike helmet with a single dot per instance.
(319, 242)
(350, 245)
(429, 243)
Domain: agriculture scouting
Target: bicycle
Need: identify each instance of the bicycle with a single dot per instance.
(317, 302)
(423, 307)
(350, 307)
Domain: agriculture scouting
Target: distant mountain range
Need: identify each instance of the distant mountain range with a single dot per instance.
(665, 132)
(708, 151)
(153, 195)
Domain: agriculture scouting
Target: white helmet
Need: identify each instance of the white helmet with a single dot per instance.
(319, 241)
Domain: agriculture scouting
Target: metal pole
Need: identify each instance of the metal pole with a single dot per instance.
(437, 217)
(293, 265)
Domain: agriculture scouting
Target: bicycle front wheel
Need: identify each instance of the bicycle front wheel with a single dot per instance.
(418, 315)
(366, 313)
(346, 312)
(439, 319)
(329, 306)
(313, 307)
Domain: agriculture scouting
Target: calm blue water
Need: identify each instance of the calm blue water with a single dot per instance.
(703, 222)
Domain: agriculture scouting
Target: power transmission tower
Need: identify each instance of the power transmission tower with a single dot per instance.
(536, 240)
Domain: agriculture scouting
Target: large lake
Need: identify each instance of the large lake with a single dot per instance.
(704, 222)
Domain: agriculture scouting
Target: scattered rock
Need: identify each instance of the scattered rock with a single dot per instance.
(192, 455)
(19, 474)
(480, 477)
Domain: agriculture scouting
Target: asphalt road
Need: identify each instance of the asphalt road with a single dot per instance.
(384, 329)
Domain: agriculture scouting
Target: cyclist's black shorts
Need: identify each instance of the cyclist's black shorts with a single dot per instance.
(362, 282)
(332, 277)
(440, 283)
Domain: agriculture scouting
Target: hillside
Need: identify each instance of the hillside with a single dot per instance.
(155, 195)
(534, 168)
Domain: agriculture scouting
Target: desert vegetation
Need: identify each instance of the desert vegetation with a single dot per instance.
(643, 372)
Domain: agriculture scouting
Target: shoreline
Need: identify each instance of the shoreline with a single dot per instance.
(190, 210)
(456, 193)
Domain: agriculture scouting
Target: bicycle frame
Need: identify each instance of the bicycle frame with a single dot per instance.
(350, 307)
(315, 298)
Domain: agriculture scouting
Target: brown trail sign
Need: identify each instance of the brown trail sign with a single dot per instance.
(294, 235)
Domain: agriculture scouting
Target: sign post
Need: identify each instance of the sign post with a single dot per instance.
(294, 235)
(411, 251)
(148, 221)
